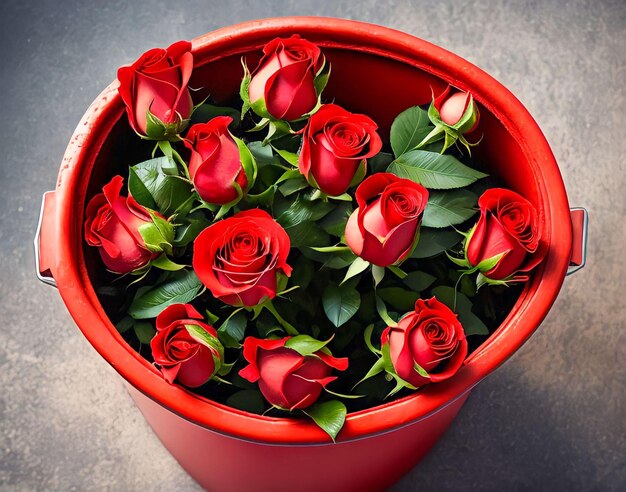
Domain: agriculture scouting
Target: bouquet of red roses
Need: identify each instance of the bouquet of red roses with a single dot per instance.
(281, 257)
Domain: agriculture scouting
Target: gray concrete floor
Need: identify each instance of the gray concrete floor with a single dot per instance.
(552, 418)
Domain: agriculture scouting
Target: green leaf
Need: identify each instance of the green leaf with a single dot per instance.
(232, 331)
(124, 324)
(305, 344)
(335, 221)
(178, 287)
(290, 186)
(290, 157)
(340, 303)
(435, 171)
(263, 155)
(139, 191)
(358, 266)
(303, 272)
(419, 281)
(472, 324)
(380, 162)
(158, 178)
(400, 299)
(206, 112)
(307, 234)
(435, 241)
(409, 129)
(164, 263)
(247, 400)
(446, 208)
(192, 225)
(144, 331)
(329, 416)
(303, 210)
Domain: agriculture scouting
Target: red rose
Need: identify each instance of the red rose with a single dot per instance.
(384, 228)
(157, 82)
(508, 227)
(452, 108)
(190, 360)
(287, 379)
(215, 164)
(335, 146)
(430, 337)
(112, 225)
(239, 258)
(284, 78)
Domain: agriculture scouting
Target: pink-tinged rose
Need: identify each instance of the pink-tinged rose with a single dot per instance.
(384, 228)
(507, 227)
(180, 356)
(112, 225)
(239, 258)
(430, 337)
(215, 164)
(335, 146)
(452, 108)
(157, 81)
(287, 379)
(285, 77)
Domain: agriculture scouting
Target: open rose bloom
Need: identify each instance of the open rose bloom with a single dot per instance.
(291, 256)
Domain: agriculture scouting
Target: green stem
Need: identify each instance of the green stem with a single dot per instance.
(289, 328)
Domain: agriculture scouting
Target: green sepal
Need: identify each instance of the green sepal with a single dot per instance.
(397, 271)
(462, 262)
(306, 345)
(482, 280)
(290, 157)
(378, 273)
(367, 337)
(247, 161)
(157, 235)
(201, 336)
(381, 308)
(158, 130)
(277, 129)
(377, 368)
(358, 266)
(164, 263)
(244, 88)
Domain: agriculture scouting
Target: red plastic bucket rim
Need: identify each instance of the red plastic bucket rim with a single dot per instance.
(75, 287)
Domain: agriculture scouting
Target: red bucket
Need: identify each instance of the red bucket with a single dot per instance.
(376, 71)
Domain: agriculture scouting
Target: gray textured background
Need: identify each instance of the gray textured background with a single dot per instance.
(552, 418)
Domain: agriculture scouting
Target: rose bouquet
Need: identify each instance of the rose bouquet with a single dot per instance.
(279, 256)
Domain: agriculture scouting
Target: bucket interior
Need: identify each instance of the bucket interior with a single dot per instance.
(379, 84)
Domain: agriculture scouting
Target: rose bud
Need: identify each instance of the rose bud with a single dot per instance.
(215, 164)
(112, 225)
(384, 229)
(157, 83)
(335, 146)
(186, 349)
(287, 379)
(284, 80)
(453, 107)
(429, 340)
(239, 258)
(505, 241)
